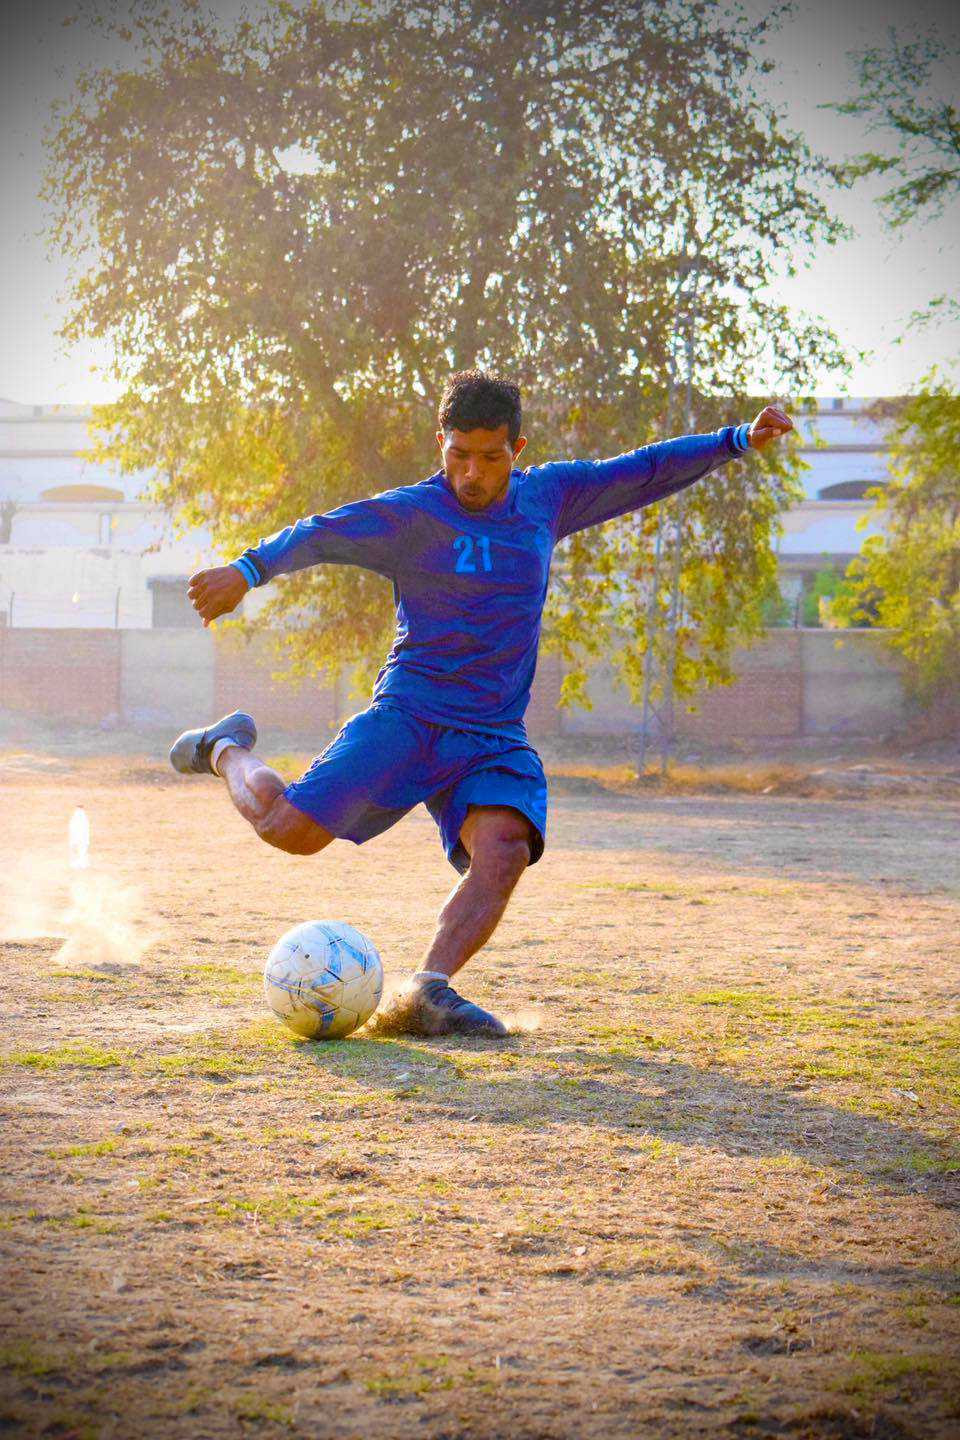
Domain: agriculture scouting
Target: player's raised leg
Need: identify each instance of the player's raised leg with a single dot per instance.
(257, 791)
(497, 839)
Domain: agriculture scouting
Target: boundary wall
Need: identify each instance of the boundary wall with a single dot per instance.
(793, 684)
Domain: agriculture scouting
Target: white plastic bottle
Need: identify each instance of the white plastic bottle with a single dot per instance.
(78, 837)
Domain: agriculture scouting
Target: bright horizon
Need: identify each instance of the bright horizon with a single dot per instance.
(867, 287)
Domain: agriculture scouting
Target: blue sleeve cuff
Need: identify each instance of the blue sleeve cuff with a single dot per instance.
(741, 439)
(248, 570)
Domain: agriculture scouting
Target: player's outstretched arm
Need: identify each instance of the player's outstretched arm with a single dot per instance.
(373, 533)
(588, 492)
(216, 592)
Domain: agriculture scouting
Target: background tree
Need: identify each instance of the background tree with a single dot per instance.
(293, 229)
(906, 91)
(909, 578)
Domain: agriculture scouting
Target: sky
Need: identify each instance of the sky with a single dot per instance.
(866, 287)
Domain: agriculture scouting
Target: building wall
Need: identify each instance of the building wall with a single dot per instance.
(792, 684)
(65, 586)
(795, 683)
(69, 675)
(766, 701)
(244, 674)
(821, 530)
(167, 678)
(851, 684)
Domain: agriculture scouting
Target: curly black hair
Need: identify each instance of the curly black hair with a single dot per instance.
(474, 400)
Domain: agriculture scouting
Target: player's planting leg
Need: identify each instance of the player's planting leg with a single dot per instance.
(497, 839)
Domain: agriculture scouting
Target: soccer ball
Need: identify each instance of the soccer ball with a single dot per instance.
(323, 979)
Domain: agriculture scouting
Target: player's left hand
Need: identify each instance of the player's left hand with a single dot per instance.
(769, 425)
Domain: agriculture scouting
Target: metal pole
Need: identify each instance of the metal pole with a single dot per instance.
(680, 504)
(651, 661)
(651, 640)
(658, 675)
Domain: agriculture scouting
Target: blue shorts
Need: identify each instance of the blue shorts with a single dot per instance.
(384, 762)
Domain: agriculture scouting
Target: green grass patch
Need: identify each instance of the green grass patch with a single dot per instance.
(222, 1054)
(415, 1382)
(256, 1408)
(425, 1376)
(832, 1042)
(96, 1147)
(275, 1206)
(25, 1358)
(269, 1134)
(325, 1212)
(876, 1375)
(87, 1057)
(926, 1164)
(85, 1219)
(227, 983)
(203, 1061)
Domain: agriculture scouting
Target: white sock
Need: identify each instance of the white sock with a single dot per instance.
(218, 748)
(421, 975)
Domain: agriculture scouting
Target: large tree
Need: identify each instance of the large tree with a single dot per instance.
(908, 579)
(294, 227)
(906, 95)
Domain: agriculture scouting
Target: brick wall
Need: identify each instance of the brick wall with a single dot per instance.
(543, 717)
(243, 680)
(68, 675)
(764, 702)
(167, 679)
(766, 699)
(794, 683)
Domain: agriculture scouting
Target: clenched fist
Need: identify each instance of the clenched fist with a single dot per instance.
(216, 592)
(769, 425)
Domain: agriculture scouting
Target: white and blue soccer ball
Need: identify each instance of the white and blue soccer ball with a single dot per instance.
(323, 979)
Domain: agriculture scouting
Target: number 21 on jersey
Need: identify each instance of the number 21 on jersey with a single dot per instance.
(469, 552)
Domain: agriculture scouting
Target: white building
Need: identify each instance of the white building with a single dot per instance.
(79, 546)
(846, 452)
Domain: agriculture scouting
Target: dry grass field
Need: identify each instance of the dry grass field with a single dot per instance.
(709, 1187)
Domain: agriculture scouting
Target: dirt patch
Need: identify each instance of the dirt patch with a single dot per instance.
(710, 1189)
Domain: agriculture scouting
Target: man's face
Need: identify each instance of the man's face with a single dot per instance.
(477, 463)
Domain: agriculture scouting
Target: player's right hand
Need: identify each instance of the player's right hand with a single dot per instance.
(216, 592)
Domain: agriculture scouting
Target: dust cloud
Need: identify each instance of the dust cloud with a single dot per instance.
(101, 922)
(525, 1020)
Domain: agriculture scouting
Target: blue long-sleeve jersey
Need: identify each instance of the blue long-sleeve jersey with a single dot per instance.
(470, 586)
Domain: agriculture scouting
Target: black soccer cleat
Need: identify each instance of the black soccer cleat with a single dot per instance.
(440, 1010)
(190, 754)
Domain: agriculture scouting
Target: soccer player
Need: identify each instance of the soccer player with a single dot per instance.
(468, 551)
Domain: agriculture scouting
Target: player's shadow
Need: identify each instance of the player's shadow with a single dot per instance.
(645, 1100)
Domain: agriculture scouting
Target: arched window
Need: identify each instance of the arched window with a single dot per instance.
(849, 490)
(84, 494)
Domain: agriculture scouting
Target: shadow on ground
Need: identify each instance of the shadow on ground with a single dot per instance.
(674, 1102)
